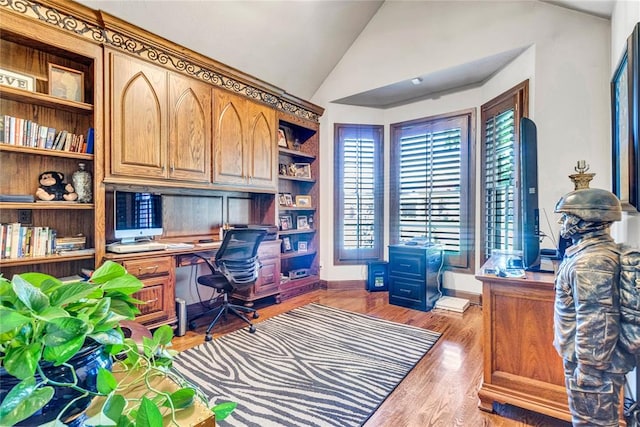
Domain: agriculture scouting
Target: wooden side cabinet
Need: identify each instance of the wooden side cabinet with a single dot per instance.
(268, 282)
(413, 276)
(521, 367)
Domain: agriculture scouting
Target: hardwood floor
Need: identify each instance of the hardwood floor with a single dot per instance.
(442, 388)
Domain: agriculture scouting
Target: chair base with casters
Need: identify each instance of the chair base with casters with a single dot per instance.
(236, 267)
(221, 311)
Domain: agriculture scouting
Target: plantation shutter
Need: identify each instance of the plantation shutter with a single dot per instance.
(499, 181)
(430, 184)
(359, 193)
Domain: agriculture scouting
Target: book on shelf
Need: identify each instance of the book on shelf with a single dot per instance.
(17, 198)
(20, 241)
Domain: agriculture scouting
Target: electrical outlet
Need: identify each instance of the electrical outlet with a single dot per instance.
(25, 216)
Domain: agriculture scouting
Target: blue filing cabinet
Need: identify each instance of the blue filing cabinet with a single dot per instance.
(413, 275)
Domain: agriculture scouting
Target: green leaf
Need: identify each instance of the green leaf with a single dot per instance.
(106, 382)
(21, 361)
(32, 297)
(111, 336)
(127, 284)
(10, 320)
(51, 313)
(124, 309)
(108, 271)
(148, 415)
(62, 353)
(163, 335)
(149, 346)
(71, 292)
(39, 279)
(114, 406)
(182, 398)
(23, 401)
(223, 410)
(100, 310)
(63, 329)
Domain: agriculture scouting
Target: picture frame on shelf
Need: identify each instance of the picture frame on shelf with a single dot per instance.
(625, 108)
(283, 170)
(288, 199)
(302, 222)
(282, 138)
(286, 222)
(303, 201)
(302, 246)
(66, 83)
(303, 170)
(17, 80)
(286, 244)
(284, 199)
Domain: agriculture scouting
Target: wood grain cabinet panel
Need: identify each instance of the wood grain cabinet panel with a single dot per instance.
(161, 122)
(244, 142)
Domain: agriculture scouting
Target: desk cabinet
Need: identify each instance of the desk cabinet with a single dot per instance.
(268, 282)
(413, 276)
(158, 276)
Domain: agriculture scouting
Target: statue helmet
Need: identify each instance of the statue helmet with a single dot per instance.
(591, 204)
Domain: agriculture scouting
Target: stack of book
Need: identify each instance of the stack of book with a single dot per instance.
(70, 243)
(27, 133)
(19, 241)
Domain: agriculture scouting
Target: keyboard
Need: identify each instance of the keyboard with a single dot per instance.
(136, 247)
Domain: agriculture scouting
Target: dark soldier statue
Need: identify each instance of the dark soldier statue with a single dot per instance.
(587, 308)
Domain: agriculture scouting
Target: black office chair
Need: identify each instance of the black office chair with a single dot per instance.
(236, 267)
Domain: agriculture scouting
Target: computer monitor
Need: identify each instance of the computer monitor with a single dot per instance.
(137, 216)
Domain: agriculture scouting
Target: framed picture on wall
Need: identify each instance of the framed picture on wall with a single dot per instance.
(625, 110)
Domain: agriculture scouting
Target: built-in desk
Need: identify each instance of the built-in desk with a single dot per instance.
(157, 271)
(521, 366)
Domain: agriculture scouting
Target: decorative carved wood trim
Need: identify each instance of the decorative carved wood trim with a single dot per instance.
(102, 28)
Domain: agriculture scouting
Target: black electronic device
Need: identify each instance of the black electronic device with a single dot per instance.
(530, 214)
(377, 279)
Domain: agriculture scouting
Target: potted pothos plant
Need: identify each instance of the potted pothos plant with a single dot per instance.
(62, 348)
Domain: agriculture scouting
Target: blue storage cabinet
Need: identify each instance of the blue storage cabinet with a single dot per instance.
(413, 275)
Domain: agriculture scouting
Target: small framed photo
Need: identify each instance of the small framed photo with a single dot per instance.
(302, 246)
(17, 80)
(282, 200)
(286, 244)
(66, 83)
(288, 200)
(302, 222)
(283, 169)
(282, 138)
(302, 170)
(286, 222)
(303, 201)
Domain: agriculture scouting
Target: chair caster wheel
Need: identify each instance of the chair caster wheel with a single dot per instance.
(192, 325)
(255, 315)
(208, 338)
(252, 329)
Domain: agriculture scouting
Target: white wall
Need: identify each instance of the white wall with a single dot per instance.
(567, 62)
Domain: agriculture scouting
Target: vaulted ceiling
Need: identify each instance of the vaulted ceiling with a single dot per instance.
(295, 45)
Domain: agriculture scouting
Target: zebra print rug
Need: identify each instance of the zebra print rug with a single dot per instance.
(312, 366)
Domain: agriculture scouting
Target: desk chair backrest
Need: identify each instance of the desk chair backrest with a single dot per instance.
(237, 258)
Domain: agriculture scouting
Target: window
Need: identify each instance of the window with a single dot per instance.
(432, 184)
(359, 193)
(500, 203)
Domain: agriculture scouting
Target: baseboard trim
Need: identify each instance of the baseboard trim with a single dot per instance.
(345, 285)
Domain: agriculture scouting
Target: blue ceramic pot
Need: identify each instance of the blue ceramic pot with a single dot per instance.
(86, 363)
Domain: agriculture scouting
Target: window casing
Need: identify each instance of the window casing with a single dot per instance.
(432, 184)
(500, 140)
(359, 193)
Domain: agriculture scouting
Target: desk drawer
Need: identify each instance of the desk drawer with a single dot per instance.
(269, 249)
(154, 294)
(407, 265)
(148, 267)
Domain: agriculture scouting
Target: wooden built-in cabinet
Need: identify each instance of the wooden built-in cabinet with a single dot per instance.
(165, 119)
(300, 242)
(160, 122)
(29, 48)
(244, 142)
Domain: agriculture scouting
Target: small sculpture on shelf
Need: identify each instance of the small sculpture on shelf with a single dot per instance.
(53, 188)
